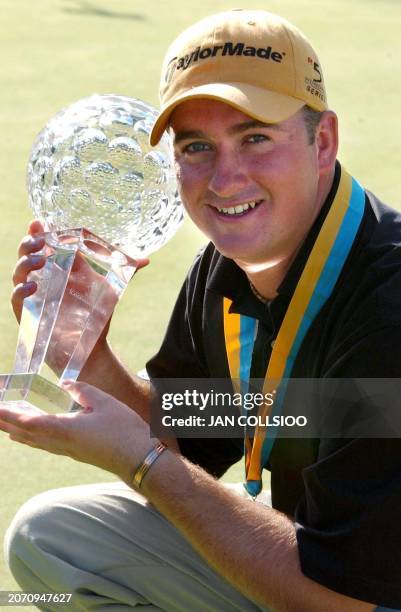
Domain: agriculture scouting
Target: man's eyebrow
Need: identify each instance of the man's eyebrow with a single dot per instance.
(253, 123)
(235, 129)
(187, 135)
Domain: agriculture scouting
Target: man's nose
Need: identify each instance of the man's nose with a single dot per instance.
(228, 176)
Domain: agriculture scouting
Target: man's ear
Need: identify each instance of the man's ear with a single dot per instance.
(326, 141)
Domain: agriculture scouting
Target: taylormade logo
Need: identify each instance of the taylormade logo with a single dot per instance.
(228, 48)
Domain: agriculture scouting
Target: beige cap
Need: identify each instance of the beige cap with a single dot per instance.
(254, 61)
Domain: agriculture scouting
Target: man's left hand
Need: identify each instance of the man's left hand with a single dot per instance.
(106, 433)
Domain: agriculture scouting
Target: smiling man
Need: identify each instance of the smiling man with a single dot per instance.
(300, 279)
(253, 188)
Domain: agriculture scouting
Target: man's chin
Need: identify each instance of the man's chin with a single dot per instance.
(246, 258)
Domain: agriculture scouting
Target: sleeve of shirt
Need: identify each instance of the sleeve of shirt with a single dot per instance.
(348, 523)
(181, 356)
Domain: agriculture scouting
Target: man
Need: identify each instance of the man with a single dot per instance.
(301, 254)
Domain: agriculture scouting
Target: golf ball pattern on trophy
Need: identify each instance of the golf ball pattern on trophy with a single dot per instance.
(92, 166)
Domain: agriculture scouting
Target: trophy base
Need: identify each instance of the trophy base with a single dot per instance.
(28, 392)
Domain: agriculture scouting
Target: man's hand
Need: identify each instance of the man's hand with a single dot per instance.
(29, 259)
(106, 433)
(88, 301)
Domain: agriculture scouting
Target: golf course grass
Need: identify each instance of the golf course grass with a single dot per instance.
(57, 51)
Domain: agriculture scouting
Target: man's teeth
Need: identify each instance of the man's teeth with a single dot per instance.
(237, 210)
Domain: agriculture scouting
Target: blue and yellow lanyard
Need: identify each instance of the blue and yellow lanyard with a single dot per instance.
(314, 287)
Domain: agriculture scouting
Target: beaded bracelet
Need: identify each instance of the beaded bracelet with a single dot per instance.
(147, 463)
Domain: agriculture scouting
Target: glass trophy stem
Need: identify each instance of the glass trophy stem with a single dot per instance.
(77, 291)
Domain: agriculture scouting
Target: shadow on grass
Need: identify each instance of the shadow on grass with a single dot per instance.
(81, 7)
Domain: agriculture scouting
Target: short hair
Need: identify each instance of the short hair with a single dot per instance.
(312, 119)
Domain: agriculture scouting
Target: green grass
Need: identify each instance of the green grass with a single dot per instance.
(57, 51)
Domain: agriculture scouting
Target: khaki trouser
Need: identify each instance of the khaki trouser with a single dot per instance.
(113, 551)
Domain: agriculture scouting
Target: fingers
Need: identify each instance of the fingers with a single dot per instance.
(25, 265)
(29, 260)
(35, 227)
(30, 424)
(89, 397)
(17, 435)
(23, 287)
(30, 244)
(17, 425)
(30, 432)
(22, 417)
(86, 395)
(19, 294)
(142, 263)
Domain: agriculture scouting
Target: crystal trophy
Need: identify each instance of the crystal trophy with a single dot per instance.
(105, 198)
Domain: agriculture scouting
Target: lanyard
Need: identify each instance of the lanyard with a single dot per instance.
(314, 288)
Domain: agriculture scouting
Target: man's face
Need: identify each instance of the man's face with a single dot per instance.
(252, 188)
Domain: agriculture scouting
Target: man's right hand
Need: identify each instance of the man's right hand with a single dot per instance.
(29, 260)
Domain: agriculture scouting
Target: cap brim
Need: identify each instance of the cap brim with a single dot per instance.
(260, 104)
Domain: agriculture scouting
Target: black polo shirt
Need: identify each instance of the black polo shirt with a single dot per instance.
(343, 494)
